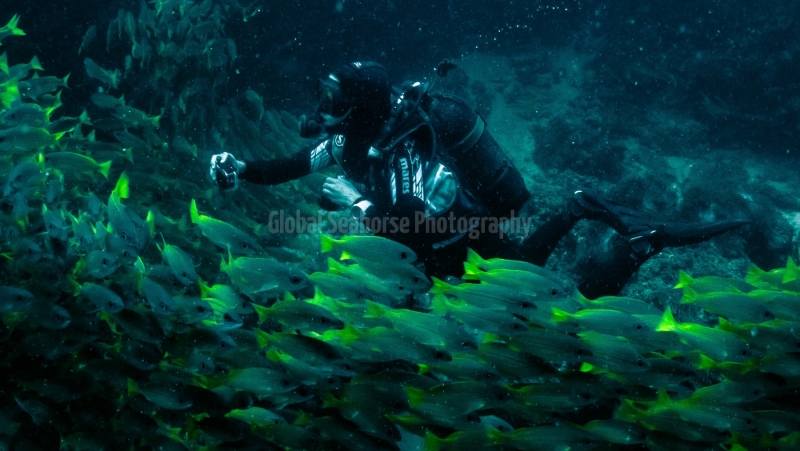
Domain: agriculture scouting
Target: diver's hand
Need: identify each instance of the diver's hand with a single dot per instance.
(224, 170)
(340, 191)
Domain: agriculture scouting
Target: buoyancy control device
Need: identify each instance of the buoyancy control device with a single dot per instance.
(481, 165)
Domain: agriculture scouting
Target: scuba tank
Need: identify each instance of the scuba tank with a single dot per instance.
(462, 143)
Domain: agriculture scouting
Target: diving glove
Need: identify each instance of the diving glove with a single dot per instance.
(225, 170)
(646, 236)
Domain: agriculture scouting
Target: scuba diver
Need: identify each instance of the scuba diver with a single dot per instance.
(409, 153)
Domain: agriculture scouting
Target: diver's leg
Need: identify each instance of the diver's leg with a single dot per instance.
(646, 236)
(540, 244)
(608, 278)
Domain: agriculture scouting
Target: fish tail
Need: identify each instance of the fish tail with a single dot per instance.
(275, 355)
(326, 243)
(559, 316)
(104, 168)
(335, 267)
(263, 312)
(668, 322)
(345, 256)
(432, 442)
(349, 334)
(57, 137)
(203, 290)
(471, 272)
(35, 64)
(706, 363)
(76, 287)
(663, 400)
(4, 63)
(416, 396)
(440, 304)
(690, 296)
(194, 214)
(10, 94)
(226, 267)
(374, 310)
(473, 258)
(12, 26)
(133, 388)
(792, 273)
(440, 286)
(328, 400)
(684, 280)
(262, 338)
(150, 220)
(122, 188)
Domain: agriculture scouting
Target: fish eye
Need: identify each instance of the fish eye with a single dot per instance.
(104, 262)
(516, 326)
(58, 317)
(183, 274)
(163, 306)
(294, 280)
(223, 345)
(323, 320)
(439, 355)
(744, 352)
(150, 334)
(227, 317)
(244, 245)
(180, 400)
(640, 363)
(201, 309)
(285, 382)
(403, 255)
(553, 291)
(526, 304)
(124, 235)
(639, 327)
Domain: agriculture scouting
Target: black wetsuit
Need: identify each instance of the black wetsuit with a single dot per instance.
(393, 188)
(405, 182)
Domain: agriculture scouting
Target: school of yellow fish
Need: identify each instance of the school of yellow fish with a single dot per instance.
(143, 310)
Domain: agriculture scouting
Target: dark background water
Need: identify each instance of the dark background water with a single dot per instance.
(742, 53)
